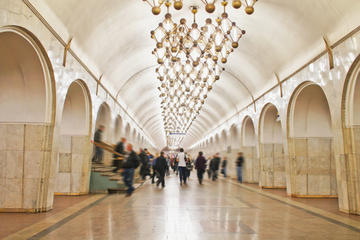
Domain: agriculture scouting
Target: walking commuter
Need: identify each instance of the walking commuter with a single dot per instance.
(209, 171)
(214, 166)
(131, 163)
(161, 166)
(153, 169)
(239, 165)
(168, 166)
(200, 166)
(119, 148)
(224, 166)
(181, 160)
(144, 169)
(99, 152)
(189, 167)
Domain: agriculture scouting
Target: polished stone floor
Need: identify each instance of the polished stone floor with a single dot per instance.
(216, 210)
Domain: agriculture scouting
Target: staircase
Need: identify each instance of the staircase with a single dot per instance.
(104, 180)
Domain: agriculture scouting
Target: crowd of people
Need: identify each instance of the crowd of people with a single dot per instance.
(126, 160)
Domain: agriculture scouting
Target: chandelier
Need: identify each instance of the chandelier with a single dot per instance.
(188, 58)
(210, 5)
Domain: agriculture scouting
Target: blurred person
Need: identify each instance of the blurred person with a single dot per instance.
(181, 160)
(161, 166)
(200, 166)
(119, 148)
(239, 165)
(224, 167)
(214, 166)
(98, 151)
(145, 169)
(131, 163)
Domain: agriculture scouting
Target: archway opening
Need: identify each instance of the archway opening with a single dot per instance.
(27, 113)
(311, 143)
(118, 129)
(272, 160)
(74, 150)
(248, 147)
(103, 118)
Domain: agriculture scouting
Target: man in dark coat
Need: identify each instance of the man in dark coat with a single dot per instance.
(214, 166)
(131, 163)
(144, 170)
(119, 148)
(99, 152)
(160, 167)
(200, 166)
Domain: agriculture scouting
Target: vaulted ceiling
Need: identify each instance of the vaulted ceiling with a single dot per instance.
(280, 36)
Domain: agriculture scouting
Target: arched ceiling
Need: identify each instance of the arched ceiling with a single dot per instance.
(280, 36)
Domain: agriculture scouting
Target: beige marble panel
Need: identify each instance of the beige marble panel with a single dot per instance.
(3, 134)
(77, 161)
(33, 164)
(2, 164)
(15, 137)
(2, 189)
(65, 144)
(13, 196)
(64, 162)
(31, 191)
(319, 185)
(300, 184)
(14, 164)
(50, 194)
(63, 182)
(75, 182)
(78, 144)
(279, 179)
(300, 147)
(300, 165)
(35, 137)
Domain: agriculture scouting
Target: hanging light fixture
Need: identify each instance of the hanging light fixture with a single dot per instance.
(210, 5)
(188, 58)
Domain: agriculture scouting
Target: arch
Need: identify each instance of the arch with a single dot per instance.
(104, 118)
(310, 142)
(234, 135)
(223, 141)
(248, 133)
(127, 131)
(74, 150)
(272, 159)
(251, 168)
(76, 116)
(309, 112)
(350, 115)
(270, 130)
(217, 142)
(27, 110)
(118, 128)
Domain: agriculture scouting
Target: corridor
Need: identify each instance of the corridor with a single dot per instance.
(215, 210)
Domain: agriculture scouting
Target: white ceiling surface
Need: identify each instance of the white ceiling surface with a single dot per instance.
(281, 35)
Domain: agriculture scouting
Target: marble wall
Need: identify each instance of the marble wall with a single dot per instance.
(74, 161)
(251, 167)
(312, 167)
(272, 161)
(25, 162)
